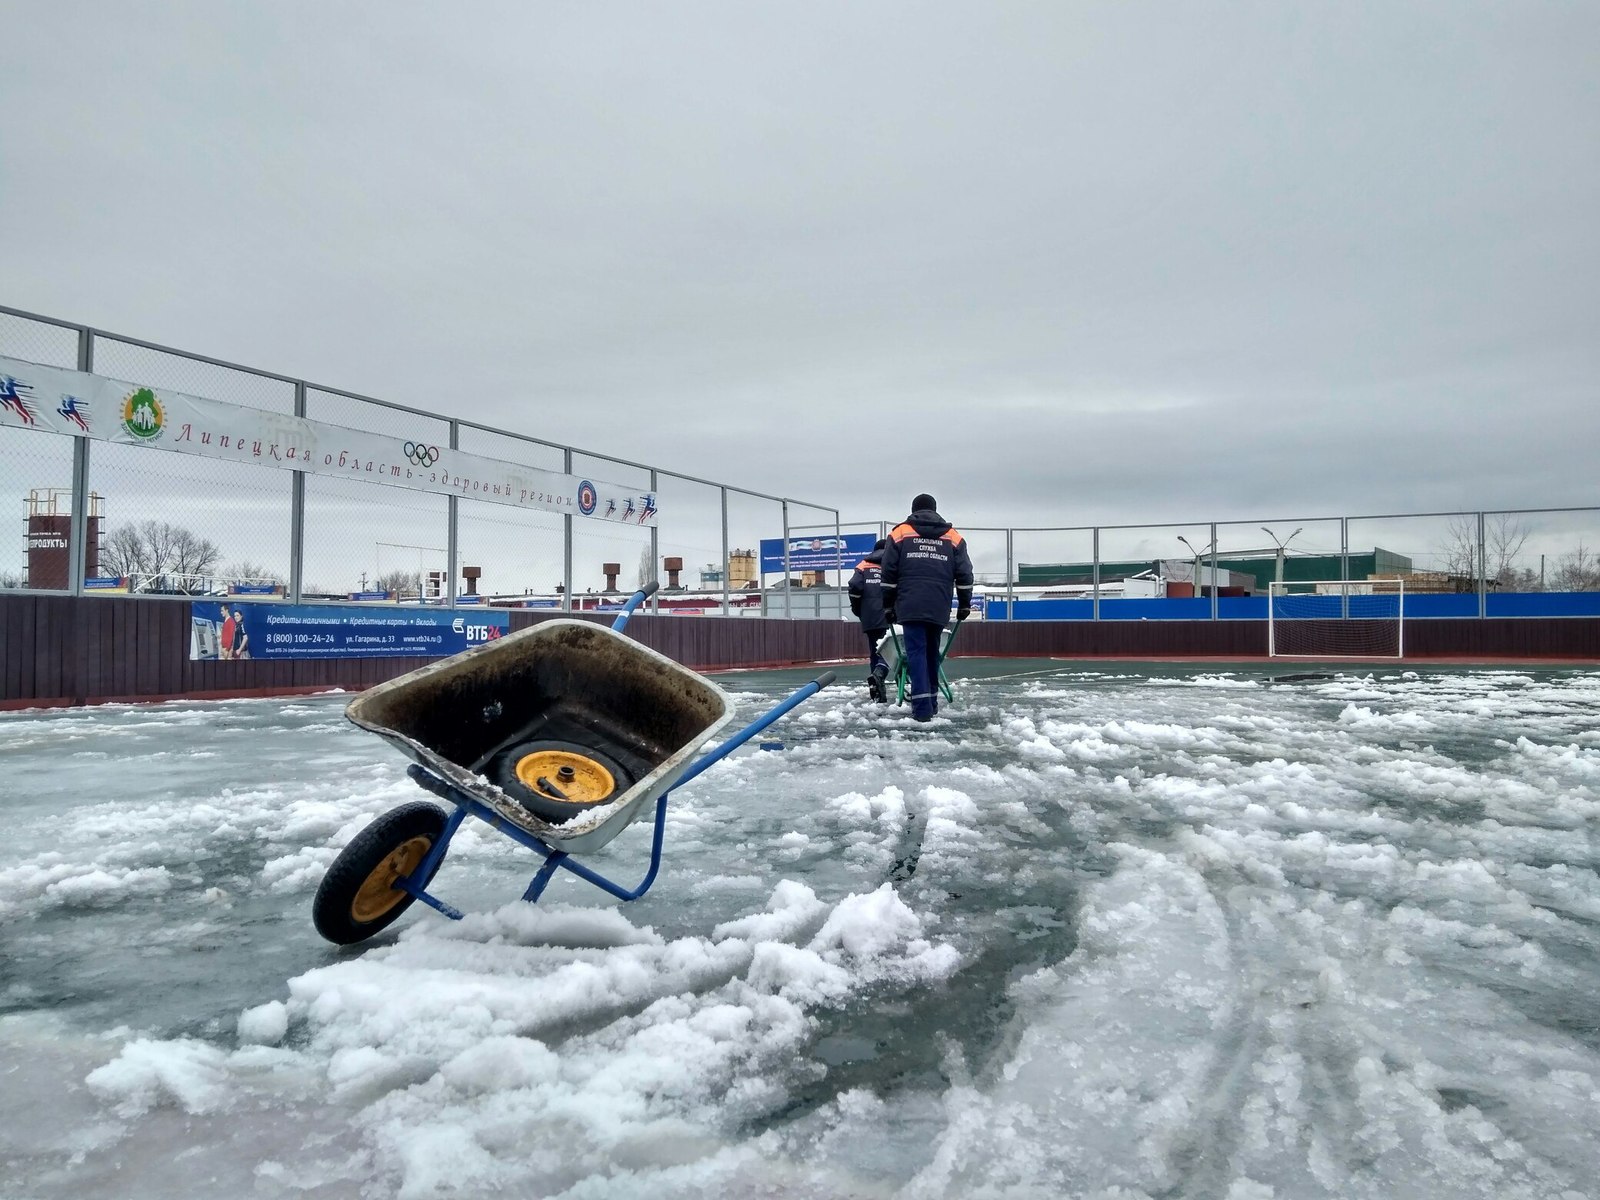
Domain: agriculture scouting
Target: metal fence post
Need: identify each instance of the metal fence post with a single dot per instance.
(1094, 612)
(727, 597)
(452, 544)
(1213, 570)
(1483, 570)
(78, 535)
(655, 552)
(566, 541)
(1344, 566)
(838, 555)
(1011, 570)
(786, 560)
(297, 511)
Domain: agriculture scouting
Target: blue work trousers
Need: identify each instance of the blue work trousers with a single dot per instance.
(875, 660)
(922, 666)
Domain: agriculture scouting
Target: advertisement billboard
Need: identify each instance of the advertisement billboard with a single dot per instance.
(816, 553)
(55, 400)
(239, 631)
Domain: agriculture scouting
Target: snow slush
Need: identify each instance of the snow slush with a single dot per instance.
(1128, 932)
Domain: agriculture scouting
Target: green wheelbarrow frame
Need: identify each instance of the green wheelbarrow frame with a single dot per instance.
(902, 677)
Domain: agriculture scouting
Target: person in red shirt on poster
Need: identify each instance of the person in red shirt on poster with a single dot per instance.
(225, 638)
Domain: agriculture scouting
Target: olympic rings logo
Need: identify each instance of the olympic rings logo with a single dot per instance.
(422, 454)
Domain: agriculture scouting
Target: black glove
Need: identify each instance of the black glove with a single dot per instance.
(888, 615)
(963, 613)
(855, 605)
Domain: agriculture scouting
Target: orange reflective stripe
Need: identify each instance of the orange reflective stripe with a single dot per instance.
(901, 532)
(951, 536)
(864, 565)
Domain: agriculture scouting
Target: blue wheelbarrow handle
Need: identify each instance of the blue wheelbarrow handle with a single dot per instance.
(755, 727)
(634, 601)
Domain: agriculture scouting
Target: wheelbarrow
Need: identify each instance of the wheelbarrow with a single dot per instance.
(560, 736)
(894, 655)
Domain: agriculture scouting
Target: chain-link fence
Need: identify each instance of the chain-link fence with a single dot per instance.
(102, 517)
(186, 524)
(1543, 562)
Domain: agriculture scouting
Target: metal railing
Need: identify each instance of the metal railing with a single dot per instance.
(265, 518)
(293, 530)
(1536, 562)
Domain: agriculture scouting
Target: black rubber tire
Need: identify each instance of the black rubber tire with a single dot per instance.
(502, 769)
(333, 910)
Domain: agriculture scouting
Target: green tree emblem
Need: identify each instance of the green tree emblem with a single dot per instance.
(142, 415)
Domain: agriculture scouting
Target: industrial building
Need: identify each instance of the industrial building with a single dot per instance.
(1235, 575)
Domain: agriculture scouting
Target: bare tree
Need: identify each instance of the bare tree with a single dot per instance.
(402, 584)
(10, 579)
(191, 553)
(122, 551)
(255, 572)
(157, 548)
(647, 565)
(1577, 572)
(1457, 554)
(1503, 538)
(1523, 579)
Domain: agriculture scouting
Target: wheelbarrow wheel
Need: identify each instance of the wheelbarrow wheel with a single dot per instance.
(559, 780)
(357, 897)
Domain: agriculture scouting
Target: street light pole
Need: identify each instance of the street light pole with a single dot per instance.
(1197, 556)
(1281, 547)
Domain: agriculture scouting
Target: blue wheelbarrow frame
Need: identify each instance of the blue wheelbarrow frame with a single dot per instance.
(556, 859)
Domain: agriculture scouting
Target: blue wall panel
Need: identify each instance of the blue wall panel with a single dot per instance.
(1419, 606)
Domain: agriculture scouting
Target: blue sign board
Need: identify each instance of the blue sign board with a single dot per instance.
(227, 631)
(817, 553)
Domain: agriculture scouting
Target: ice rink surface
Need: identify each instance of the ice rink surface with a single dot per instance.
(1119, 933)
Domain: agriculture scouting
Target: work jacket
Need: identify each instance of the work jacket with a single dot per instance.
(866, 591)
(923, 561)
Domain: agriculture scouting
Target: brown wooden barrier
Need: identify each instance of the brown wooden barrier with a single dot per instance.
(65, 650)
(62, 650)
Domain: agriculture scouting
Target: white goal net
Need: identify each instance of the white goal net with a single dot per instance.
(1338, 618)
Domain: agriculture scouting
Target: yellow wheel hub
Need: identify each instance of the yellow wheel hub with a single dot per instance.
(578, 779)
(378, 894)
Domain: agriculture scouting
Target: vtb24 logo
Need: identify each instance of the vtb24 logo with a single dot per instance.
(475, 633)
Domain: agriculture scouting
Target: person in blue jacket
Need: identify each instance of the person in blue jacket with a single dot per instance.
(866, 601)
(924, 559)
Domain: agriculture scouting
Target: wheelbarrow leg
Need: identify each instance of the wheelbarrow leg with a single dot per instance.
(542, 880)
(428, 865)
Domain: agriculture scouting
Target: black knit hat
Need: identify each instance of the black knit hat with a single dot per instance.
(924, 501)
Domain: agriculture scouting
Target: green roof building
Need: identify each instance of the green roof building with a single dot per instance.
(1297, 568)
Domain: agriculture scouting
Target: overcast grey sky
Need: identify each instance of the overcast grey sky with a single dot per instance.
(1057, 263)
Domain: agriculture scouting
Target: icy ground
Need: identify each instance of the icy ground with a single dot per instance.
(1119, 933)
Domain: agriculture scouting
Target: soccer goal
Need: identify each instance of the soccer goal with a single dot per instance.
(1337, 618)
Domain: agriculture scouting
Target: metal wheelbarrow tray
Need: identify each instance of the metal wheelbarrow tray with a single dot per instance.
(559, 736)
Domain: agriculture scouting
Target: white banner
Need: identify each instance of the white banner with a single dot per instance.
(82, 405)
